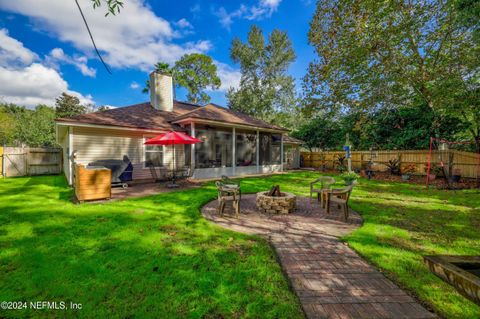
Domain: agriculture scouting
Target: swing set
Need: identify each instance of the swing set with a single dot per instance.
(446, 165)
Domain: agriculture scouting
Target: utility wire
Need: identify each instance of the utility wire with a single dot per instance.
(91, 37)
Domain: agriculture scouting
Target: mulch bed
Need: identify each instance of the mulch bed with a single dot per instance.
(439, 182)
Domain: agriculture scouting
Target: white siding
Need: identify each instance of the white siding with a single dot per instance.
(93, 144)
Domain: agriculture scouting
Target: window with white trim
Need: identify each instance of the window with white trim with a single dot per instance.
(153, 154)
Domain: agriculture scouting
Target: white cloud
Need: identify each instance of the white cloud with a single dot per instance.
(26, 82)
(12, 51)
(264, 9)
(136, 38)
(184, 24)
(271, 4)
(134, 85)
(228, 75)
(34, 84)
(80, 62)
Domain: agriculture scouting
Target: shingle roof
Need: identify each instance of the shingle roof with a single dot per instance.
(144, 116)
(291, 140)
(213, 112)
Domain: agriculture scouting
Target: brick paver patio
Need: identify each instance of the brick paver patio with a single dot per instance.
(330, 279)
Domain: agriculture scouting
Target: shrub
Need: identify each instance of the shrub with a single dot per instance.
(349, 177)
(409, 169)
(394, 166)
(341, 164)
(435, 169)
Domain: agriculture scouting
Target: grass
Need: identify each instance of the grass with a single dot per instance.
(149, 257)
(403, 222)
(157, 256)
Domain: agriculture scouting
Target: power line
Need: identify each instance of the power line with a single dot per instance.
(91, 38)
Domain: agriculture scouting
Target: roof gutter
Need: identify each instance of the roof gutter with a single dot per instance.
(110, 127)
(225, 124)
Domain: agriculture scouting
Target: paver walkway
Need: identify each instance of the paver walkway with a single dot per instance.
(330, 279)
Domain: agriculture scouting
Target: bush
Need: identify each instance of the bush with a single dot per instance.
(394, 166)
(435, 169)
(409, 169)
(341, 164)
(349, 177)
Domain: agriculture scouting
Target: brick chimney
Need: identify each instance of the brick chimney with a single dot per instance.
(161, 91)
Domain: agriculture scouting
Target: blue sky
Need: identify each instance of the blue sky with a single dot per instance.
(45, 49)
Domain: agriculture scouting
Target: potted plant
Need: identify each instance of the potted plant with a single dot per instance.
(457, 174)
(394, 166)
(341, 164)
(434, 171)
(408, 170)
(349, 177)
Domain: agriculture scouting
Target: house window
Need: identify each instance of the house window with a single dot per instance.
(153, 154)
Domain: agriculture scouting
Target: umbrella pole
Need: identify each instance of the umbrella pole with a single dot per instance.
(174, 164)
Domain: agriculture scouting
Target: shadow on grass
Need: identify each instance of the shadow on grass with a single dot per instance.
(135, 258)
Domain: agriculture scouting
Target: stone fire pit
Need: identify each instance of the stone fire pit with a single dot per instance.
(283, 204)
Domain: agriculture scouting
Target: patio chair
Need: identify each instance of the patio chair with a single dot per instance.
(228, 194)
(235, 182)
(320, 186)
(340, 197)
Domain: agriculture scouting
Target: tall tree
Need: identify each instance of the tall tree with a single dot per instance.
(195, 72)
(375, 54)
(31, 127)
(266, 89)
(322, 131)
(68, 105)
(7, 127)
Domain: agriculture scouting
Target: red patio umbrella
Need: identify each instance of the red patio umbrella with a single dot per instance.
(172, 138)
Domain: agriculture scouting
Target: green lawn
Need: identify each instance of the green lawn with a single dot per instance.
(150, 257)
(156, 256)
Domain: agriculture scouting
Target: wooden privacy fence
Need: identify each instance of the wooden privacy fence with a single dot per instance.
(468, 163)
(22, 161)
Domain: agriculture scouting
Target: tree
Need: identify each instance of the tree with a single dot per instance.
(469, 15)
(322, 131)
(113, 6)
(41, 128)
(266, 90)
(31, 127)
(161, 67)
(195, 72)
(102, 108)
(68, 105)
(406, 127)
(7, 127)
(374, 55)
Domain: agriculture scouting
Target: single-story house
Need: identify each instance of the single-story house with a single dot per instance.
(233, 143)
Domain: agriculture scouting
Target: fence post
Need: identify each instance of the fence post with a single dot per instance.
(399, 155)
(27, 161)
(2, 150)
